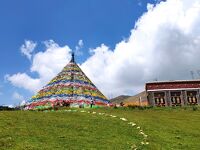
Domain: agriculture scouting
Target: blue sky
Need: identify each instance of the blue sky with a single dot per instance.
(95, 22)
(64, 21)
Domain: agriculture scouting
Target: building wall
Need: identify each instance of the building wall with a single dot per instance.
(173, 98)
(173, 93)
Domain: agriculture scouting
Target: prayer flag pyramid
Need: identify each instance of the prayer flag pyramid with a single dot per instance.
(70, 86)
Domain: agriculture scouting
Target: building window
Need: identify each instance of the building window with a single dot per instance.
(192, 97)
(176, 98)
(159, 99)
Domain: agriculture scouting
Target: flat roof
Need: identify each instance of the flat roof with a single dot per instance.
(173, 81)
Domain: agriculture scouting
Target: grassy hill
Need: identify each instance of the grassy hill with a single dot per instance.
(138, 99)
(119, 99)
(167, 128)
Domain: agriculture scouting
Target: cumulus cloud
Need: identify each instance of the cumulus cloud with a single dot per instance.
(22, 80)
(46, 64)
(51, 61)
(27, 48)
(164, 44)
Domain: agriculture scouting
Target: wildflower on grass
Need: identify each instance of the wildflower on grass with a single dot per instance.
(142, 143)
(83, 111)
(94, 112)
(123, 119)
(147, 143)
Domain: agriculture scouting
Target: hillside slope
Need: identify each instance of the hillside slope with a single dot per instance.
(138, 99)
(119, 99)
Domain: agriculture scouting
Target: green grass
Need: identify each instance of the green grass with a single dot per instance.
(64, 130)
(166, 128)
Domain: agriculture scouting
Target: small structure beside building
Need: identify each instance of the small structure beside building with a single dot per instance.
(173, 93)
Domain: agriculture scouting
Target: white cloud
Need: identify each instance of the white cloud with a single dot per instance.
(78, 48)
(27, 48)
(80, 43)
(49, 63)
(46, 64)
(22, 80)
(164, 44)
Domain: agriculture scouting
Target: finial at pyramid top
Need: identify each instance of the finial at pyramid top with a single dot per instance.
(72, 59)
